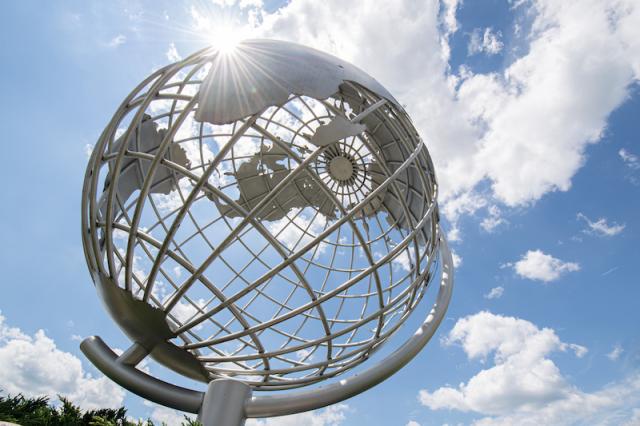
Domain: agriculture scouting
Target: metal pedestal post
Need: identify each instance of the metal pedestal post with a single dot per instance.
(223, 403)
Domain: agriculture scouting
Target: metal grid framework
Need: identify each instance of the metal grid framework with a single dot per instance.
(270, 268)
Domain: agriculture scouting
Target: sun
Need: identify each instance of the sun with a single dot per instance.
(225, 37)
(221, 29)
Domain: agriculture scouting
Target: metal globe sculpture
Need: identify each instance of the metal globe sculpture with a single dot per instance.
(261, 220)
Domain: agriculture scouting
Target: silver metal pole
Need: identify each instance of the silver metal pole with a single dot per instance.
(223, 403)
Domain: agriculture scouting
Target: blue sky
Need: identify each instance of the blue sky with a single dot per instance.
(530, 110)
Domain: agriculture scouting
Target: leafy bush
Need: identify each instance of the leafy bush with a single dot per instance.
(39, 412)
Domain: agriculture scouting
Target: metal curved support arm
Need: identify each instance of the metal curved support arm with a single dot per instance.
(292, 402)
(138, 382)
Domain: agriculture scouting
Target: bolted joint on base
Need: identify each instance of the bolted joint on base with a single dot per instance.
(223, 403)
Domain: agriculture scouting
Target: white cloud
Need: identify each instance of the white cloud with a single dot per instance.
(118, 40)
(186, 311)
(487, 41)
(533, 145)
(611, 405)
(412, 423)
(88, 150)
(495, 293)
(491, 222)
(615, 353)
(538, 266)
(177, 271)
(244, 4)
(303, 354)
(448, 15)
(402, 260)
(334, 415)
(168, 416)
(172, 53)
(199, 20)
(173, 201)
(454, 234)
(457, 260)
(524, 386)
(601, 227)
(631, 160)
(522, 374)
(634, 420)
(309, 225)
(469, 203)
(224, 3)
(34, 366)
(464, 204)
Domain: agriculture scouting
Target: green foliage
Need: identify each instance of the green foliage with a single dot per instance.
(38, 412)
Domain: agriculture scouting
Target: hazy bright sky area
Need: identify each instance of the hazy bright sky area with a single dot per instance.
(531, 112)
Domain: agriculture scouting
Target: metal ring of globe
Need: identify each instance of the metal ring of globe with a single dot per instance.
(267, 217)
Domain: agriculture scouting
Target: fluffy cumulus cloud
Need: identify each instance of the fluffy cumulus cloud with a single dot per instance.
(34, 366)
(522, 374)
(523, 385)
(539, 266)
(334, 415)
(601, 227)
(585, 53)
(487, 41)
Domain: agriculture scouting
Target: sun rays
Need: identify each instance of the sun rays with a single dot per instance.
(226, 37)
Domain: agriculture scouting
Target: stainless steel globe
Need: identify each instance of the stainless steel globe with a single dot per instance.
(266, 215)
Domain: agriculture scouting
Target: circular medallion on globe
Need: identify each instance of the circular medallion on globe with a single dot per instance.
(265, 215)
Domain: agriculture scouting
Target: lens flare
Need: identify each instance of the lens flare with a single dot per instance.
(225, 38)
